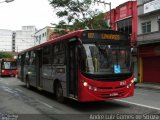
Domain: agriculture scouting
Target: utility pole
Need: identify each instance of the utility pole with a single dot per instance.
(105, 3)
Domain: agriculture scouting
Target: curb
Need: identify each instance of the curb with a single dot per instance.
(148, 86)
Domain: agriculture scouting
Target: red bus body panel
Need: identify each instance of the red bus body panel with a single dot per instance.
(105, 90)
(8, 72)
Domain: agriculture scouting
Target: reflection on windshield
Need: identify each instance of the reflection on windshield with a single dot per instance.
(106, 59)
(9, 65)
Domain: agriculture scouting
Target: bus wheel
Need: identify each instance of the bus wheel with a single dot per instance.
(59, 93)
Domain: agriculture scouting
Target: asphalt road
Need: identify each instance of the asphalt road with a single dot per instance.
(16, 101)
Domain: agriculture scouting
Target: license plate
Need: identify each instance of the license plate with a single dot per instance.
(113, 94)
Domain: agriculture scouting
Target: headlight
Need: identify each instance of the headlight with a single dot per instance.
(85, 84)
(90, 87)
(95, 89)
(132, 81)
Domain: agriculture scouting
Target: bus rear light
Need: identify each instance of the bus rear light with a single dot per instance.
(2, 71)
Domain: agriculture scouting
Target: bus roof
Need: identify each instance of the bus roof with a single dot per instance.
(67, 36)
(60, 38)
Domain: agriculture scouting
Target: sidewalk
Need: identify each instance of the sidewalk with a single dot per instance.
(155, 86)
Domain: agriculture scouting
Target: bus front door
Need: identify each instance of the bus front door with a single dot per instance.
(72, 70)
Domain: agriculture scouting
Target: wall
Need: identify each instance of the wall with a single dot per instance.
(43, 34)
(146, 17)
(24, 38)
(40, 36)
(148, 43)
(5, 40)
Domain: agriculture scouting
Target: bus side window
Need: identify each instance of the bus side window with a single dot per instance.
(47, 55)
(59, 53)
(32, 58)
(19, 60)
(27, 58)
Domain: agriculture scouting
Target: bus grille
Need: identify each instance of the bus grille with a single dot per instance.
(112, 94)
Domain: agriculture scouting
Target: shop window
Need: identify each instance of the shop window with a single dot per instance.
(146, 27)
(125, 26)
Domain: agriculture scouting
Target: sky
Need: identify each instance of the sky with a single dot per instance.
(39, 13)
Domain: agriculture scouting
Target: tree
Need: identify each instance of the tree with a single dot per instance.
(78, 14)
(6, 55)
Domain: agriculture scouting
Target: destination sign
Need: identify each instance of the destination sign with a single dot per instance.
(110, 36)
(114, 36)
(104, 36)
(9, 60)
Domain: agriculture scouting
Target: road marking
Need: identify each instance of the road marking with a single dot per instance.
(155, 108)
(19, 90)
(45, 104)
(7, 89)
(141, 94)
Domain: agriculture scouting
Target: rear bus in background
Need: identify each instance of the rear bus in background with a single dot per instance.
(8, 67)
(85, 65)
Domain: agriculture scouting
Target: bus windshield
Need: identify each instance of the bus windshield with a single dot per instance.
(9, 65)
(105, 59)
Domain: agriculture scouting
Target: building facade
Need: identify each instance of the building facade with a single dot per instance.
(149, 40)
(43, 34)
(24, 38)
(16, 41)
(124, 18)
(6, 40)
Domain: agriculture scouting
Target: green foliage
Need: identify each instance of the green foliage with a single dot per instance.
(62, 13)
(6, 55)
(74, 8)
(99, 22)
(78, 14)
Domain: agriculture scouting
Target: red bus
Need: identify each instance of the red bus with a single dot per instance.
(8, 67)
(85, 65)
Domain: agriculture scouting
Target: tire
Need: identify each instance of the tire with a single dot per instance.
(59, 93)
